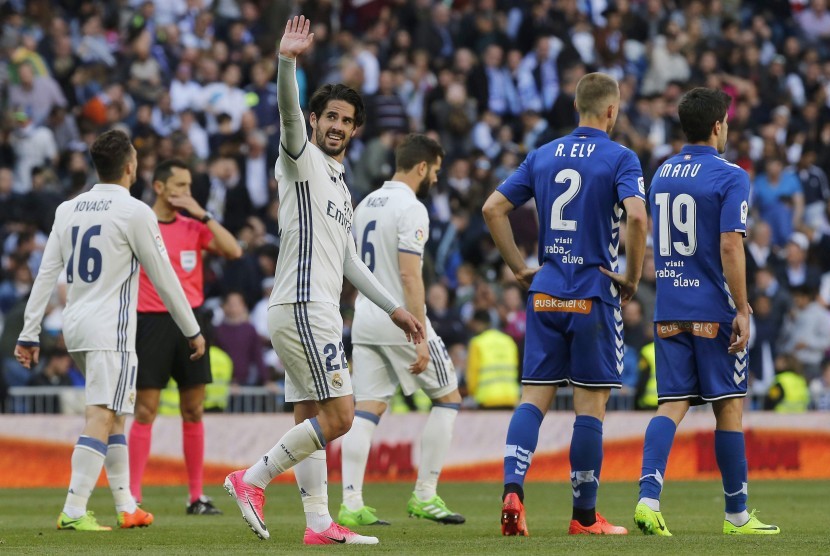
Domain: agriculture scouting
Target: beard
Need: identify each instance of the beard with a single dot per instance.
(321, 143)
(423, 188)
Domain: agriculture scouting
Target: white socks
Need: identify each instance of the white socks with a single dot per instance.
(312, 480)
(117, 464)
(295, 446)
(87, 461)
(738, 519)
(435, 443)
(355, 453)
(652, 503)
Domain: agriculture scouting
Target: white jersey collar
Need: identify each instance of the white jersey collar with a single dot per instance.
(109, 187)
(398, 185)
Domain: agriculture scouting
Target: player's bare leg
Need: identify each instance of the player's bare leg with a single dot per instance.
(586, 463)
(522, 437)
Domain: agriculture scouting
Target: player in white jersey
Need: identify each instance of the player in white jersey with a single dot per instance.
(99, 238)
(392, 227)
(316, 252)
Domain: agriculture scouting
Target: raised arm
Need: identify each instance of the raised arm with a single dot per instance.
(295, 41)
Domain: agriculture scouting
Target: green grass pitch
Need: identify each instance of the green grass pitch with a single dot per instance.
(693, 511)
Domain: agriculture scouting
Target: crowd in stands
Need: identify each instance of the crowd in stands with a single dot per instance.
(491, 79)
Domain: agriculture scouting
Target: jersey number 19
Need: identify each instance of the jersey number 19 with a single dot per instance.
(681, 212)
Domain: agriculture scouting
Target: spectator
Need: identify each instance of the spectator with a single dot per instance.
(55, 371)
(34, 146)
(796, 270)
(779, 200)
(492, 374)
(35, 95)
(790, 392)
(806, 332)
(237, 337)
(815, 21)
(820, 388)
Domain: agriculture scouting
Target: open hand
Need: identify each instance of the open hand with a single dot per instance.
(188, 203)
(421, 359)
(413, 329)
(296, 38)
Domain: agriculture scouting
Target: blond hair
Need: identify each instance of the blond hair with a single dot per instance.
(594, 92)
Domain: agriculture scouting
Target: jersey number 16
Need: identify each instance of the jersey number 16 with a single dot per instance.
(89, 258)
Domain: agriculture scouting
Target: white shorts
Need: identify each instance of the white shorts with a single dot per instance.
(110, 378)
(308, 337)
(378, 370)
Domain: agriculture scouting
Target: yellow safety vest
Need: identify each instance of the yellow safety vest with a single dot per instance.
(648, 399)
(216, 393)
(796, 393)
(493, 369)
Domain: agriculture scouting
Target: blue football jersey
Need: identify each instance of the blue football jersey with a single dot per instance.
(578, 182)
(695, 197)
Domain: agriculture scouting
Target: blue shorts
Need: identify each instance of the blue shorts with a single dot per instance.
(572, 341)
(694, 363)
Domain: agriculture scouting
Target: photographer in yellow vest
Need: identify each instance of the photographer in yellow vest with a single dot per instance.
(492, 365)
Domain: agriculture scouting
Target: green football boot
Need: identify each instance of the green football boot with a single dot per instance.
(434, 509)
(358, 518)
(751, 527)
(86, 522)
(650, 522)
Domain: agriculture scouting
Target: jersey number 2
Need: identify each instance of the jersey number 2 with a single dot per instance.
(682, 213)
(89, 258)
(574, 181)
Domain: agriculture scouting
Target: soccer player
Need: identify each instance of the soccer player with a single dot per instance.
(99, 238)
(392, 226)
(699, 205)
(316, 252)
(162, 350)
(580, 183)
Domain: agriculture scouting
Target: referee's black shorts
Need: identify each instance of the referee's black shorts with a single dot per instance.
(163, 351)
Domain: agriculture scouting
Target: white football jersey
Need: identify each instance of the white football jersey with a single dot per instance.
(315, 224)
(99, 238)
(388, 221)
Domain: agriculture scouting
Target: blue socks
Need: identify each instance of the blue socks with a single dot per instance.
(586, 464)
(522, 437)
(658, 442)
(730, 454)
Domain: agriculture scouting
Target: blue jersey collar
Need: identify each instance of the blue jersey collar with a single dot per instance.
(699, 149)
(589, 131)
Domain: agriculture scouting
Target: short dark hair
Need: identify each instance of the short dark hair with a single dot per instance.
(416, 148)
(164, 170)
(699, 109)
(328, 92)
(111, 152)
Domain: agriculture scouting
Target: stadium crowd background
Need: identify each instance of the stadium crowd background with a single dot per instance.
(491, 79)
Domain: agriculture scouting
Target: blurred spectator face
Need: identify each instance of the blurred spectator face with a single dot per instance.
(60, 363)
(183, 72)
(234, 307)
(232, 75)
(438, 297)
(801, 299)
(493, 56)
(762, 234)
(764, 279)
(762, 306)
(464, 60)
(632, 313)
(649, 274)
(26, 74)
(465, 275)
(773, 168)
(386, 83)
(796, 255)
(512, 298)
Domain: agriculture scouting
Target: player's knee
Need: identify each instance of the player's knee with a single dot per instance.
(192, 414)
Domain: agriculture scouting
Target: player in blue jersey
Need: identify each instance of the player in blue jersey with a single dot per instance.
(699, 207)
(580, 183)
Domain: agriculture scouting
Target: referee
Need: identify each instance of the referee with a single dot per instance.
(162, 350)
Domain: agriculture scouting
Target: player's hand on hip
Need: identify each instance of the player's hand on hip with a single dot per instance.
(525, 276)
(740, 333)
(627, 286)
(296, 38)
(197, 344)
(421, 359)
(413, 329)
(26, 355)
(188, 203)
